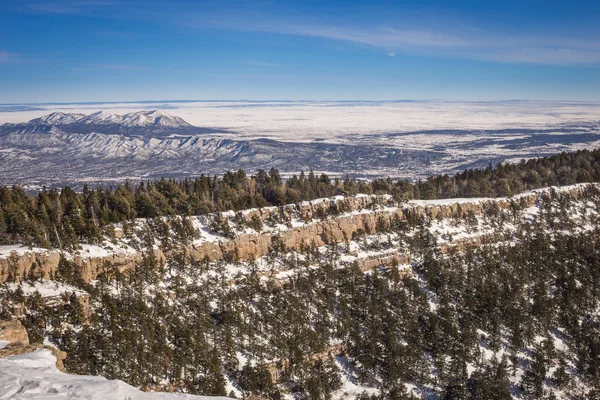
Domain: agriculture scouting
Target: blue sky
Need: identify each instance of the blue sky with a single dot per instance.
(111, 50)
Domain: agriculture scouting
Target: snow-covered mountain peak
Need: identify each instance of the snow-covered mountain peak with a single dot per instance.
(157, 113)
(145, 124)
(101, 116)
(141, 119)
(153, 118)
(57, 118)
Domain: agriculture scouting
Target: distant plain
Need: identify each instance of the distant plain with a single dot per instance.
(407, 139)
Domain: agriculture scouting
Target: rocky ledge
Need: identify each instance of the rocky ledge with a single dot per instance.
(368, 214)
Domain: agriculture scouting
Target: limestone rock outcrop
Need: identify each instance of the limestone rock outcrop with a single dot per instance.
(44, 264)
(356, 215)
(91, 267)
(368, 263)
(14, 333)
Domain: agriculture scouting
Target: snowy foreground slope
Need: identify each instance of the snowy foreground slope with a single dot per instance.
(35, 376)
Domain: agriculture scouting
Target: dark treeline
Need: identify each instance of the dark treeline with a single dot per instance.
(63, 218)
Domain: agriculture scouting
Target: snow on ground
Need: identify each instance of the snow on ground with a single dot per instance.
(336, 121)
(203, 224)
(475, 200)
(350, 388)
(107, 249)
(35, 376)
(445, 202)
(45, 288)
(404, 139)
(7, 250)
(44, 381)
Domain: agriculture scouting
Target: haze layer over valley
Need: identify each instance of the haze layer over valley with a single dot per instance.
(110, 142)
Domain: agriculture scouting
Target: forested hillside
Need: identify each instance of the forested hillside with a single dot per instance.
(439, 299)
(498, 305)
(64, 218)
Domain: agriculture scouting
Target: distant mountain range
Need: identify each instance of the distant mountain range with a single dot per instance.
(103, 148)
(155, 123)
(153, 119)
(62, 148)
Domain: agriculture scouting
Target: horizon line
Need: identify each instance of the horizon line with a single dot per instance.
(293, 101)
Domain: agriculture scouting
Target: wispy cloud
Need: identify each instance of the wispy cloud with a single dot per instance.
(417, 36)
(391, 54)
(257, 63)
(466, 42)
(4, 56)
(8, 57)
(475, 45)
(297, 76)
(111, 67)
(71, 6)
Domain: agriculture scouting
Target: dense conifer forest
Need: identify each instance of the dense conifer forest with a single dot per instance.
(514, 317)
(63, 218)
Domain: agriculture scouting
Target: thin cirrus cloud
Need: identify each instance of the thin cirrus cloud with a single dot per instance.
(4, 56)
(477, 45)
(400, 37)
(71, 6)
(110, 67)
(256, 63)
(469, 43)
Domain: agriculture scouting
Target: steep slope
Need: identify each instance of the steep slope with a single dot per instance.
(341, 296)
(297, 225)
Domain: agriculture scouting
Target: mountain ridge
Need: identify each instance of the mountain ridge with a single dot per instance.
(146, 123)
(70, 148)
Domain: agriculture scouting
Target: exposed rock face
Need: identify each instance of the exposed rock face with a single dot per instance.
(61, 356)
(91, 267)
(18, 340)
(471, 242)
(81, 299)
(18, 343)
(329, 231)
(279, 367)
(462, 209)
(44, 264)
(18, 349)
(313, 209)
(41, 264)
(368, 263)
(251, 246)
(14, 333)
(84, 303)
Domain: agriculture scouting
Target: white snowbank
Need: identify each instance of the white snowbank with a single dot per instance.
(442, 202)
(475, 200)
(107, 249)
(35, 376)
(45, 288)
(7, 250)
